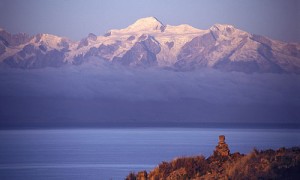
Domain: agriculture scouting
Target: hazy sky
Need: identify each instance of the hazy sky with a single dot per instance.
(278, 19)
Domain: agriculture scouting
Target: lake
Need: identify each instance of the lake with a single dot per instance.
(112, 153)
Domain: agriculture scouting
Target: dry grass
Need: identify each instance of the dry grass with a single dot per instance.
(269, 164)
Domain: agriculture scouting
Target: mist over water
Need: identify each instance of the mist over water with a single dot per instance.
(102, 92)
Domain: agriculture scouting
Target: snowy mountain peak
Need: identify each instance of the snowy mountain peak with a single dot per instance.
(222, 27)
(182, 29)
(226, 32)
(148, 23)
(49, 40)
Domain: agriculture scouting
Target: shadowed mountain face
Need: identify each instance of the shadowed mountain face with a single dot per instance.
(141, 54)
(39, 57)
(149, 43)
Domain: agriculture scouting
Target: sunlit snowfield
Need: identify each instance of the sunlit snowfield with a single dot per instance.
(112, 153)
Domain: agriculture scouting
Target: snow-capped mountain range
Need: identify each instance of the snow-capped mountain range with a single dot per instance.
(148, 42)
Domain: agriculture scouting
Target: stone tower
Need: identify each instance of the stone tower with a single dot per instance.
(222, 148)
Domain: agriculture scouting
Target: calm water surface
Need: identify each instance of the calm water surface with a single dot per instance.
(111, 153)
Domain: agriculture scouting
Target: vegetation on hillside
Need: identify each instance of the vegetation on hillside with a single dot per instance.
(283, 163)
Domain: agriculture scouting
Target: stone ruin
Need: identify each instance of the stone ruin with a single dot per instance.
(222, 148)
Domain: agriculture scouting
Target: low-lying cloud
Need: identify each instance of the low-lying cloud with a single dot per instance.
(148, 94)
(107, 81)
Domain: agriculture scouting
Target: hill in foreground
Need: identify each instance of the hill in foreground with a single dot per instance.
(283, 163)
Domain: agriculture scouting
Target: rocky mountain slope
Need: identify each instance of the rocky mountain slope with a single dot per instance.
(148, 43)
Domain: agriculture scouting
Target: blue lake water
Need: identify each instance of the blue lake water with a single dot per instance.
(92, 154)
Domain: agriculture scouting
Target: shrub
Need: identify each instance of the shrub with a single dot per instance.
(131, 176)
(191, 166)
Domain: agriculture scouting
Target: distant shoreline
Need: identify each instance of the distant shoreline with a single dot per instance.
(6, 126)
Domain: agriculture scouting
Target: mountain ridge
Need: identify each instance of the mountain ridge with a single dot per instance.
(148, 42)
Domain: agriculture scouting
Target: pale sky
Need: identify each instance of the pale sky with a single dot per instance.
(277, 19)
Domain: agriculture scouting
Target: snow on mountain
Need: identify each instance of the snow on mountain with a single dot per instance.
(14, 39)
(148, 24)
(39, 51)
(118, 42)
(50, 41)
(10, 44)
(148, 42)
(231, 49)
(172, 40)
